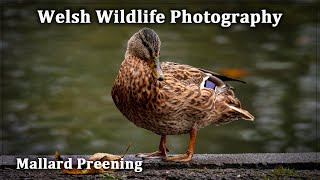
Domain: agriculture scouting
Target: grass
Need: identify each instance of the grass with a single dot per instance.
(280, 172)
(110, 176)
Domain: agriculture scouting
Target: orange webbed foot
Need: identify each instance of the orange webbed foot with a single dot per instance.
(179, 158)
(162, 153)
(154, 155)
(187, 156)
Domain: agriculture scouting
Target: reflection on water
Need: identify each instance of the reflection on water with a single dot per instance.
(57, 81)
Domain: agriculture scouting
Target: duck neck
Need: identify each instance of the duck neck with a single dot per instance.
(140, 74)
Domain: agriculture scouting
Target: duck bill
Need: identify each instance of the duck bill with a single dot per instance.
(156, 70)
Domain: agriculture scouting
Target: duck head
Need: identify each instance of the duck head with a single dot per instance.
(145, 44)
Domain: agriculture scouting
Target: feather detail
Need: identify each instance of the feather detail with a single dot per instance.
(203, 83)
(222, 77)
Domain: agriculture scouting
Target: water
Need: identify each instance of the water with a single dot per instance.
(57, 81)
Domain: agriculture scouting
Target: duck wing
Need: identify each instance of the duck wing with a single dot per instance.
(196, 94)
(222, 77)
(190, 75)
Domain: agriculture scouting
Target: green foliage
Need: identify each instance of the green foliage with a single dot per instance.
(110, 176)
(281, 171)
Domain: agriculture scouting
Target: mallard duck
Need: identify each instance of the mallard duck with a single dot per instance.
(168, 98)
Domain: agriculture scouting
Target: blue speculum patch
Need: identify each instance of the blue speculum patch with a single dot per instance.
(209, 84)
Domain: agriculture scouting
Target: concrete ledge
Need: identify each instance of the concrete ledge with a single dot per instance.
(253, 161)
(203, 166)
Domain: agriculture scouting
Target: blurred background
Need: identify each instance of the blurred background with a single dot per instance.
(56, 80)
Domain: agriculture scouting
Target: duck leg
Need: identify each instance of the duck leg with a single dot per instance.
(161, 153)
(187, 156)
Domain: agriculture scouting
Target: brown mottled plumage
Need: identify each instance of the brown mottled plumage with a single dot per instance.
(169, 98)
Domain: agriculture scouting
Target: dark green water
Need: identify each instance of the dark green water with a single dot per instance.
(56, 82)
